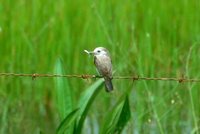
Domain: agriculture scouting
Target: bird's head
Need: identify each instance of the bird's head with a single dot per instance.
(98, 51)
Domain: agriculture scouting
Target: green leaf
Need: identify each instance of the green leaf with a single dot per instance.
(124, 116)
(86, 101)
(117, 118)
(63, 93)
(111, 119)
(68, 121)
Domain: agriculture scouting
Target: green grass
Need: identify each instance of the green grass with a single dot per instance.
(145, 38)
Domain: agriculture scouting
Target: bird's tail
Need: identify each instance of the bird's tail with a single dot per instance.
(108, 84)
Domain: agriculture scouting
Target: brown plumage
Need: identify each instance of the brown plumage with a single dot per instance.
(103, 64)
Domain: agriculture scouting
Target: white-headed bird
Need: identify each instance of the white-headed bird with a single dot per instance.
(103, 64)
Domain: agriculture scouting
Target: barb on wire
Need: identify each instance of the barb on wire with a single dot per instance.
(88, 76)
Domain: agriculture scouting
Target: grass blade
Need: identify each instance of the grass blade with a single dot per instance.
(124, 116)
(63, 93)
(117, 118)
(68, 121)
(86, 102)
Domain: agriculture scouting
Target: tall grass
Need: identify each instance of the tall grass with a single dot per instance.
(146, 38)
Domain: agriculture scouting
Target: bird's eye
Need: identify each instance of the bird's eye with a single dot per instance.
(98, 51)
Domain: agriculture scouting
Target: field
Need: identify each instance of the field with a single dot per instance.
(145, 38)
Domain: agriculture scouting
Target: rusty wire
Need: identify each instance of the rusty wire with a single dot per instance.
(88, 76)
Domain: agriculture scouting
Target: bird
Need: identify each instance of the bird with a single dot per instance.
(103, 63)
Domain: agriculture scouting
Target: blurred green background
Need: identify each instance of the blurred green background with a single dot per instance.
(146, 38)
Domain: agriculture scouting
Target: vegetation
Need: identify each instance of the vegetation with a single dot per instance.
(145, 38)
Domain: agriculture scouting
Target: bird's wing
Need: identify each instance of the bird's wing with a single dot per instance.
(103, 65)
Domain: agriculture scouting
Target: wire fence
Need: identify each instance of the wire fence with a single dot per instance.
(89, 76)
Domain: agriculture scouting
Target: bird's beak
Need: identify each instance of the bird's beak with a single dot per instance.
(89, 52)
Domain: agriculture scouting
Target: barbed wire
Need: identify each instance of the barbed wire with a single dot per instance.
(89, 76)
